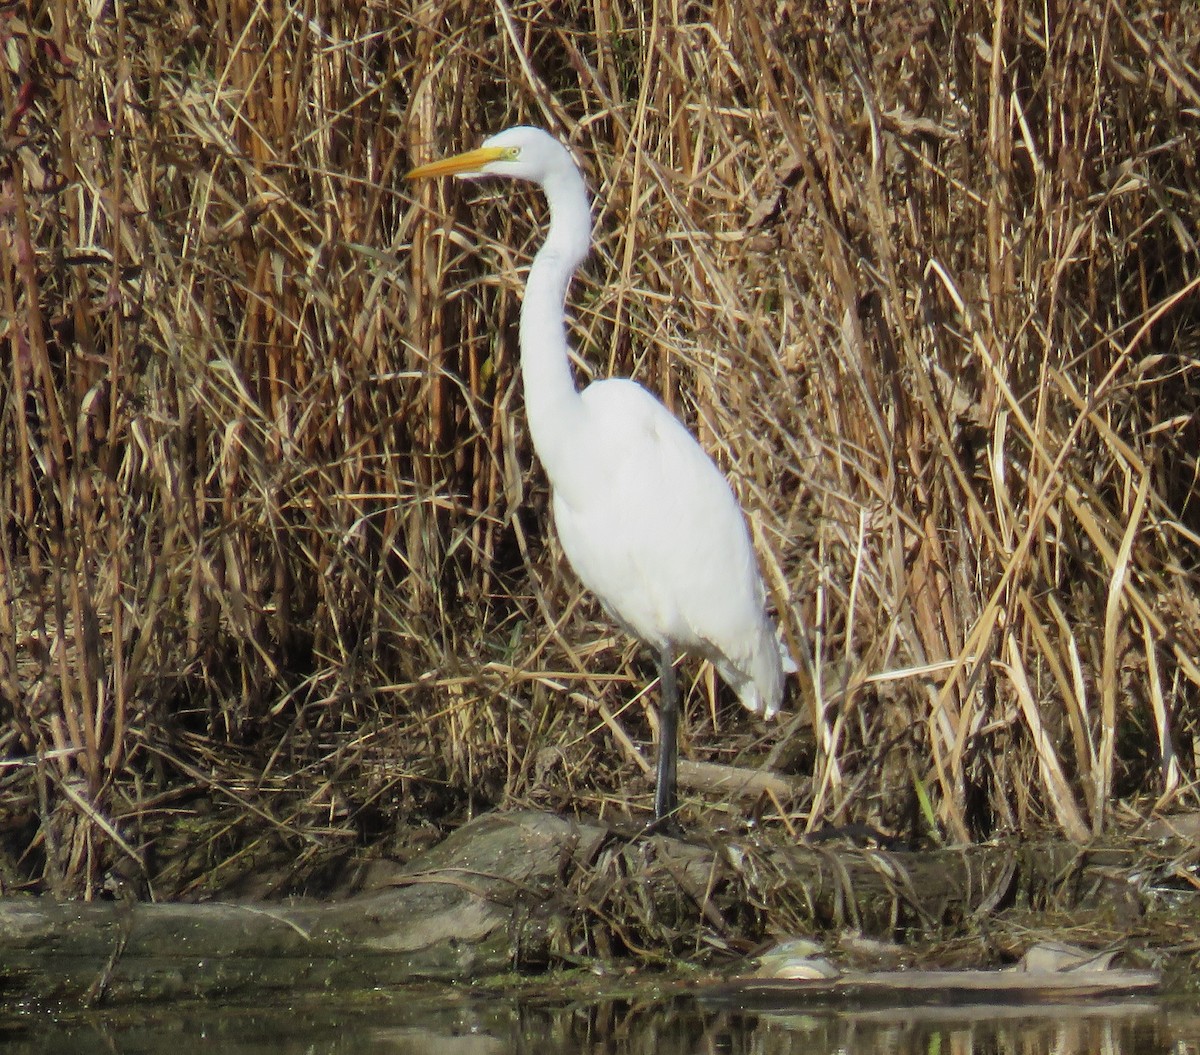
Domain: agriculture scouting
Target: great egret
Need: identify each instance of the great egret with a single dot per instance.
(645, 517)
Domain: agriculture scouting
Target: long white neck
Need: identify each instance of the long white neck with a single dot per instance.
(552, 404)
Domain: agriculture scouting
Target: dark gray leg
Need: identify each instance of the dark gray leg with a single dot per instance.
(668, 746)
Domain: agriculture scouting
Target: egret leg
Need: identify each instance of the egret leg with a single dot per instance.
(668, 745)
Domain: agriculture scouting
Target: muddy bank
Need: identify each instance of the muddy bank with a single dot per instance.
(524, 892)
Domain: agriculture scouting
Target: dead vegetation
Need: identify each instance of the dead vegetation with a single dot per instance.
(276, 577)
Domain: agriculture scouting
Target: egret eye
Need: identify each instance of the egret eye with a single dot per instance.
(512, 153)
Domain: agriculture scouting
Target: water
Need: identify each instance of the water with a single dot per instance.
(462, 1022)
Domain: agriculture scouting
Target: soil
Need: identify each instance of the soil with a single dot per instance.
(514, 896)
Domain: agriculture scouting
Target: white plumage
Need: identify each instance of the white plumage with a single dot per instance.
(645, 517)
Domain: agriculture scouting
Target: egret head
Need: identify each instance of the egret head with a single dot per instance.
(521, 152)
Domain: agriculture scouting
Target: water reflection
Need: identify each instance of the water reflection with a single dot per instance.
(462, 1023)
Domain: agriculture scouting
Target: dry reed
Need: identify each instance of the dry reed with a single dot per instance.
(276, 575)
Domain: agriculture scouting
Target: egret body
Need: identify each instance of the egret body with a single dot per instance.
(645, 517)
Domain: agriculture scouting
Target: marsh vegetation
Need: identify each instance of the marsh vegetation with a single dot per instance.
(278, 591)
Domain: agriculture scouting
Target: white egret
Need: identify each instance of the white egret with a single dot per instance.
(646, 518)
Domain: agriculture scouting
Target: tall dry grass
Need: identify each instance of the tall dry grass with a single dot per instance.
(276, 576)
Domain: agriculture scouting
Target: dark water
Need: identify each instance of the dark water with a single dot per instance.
(462, 1023)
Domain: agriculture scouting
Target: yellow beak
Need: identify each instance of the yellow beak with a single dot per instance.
(467, 164)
